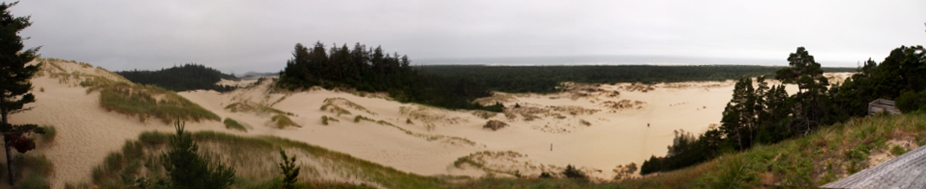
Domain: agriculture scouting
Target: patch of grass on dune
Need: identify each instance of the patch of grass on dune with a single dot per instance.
(256, 159)
(32, 171)
(245, 106)
(232, 124)
(283, 121)
(146, 101)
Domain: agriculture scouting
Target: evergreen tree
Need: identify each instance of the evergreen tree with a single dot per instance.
(14, 83)
(289, 170)
(807, 74)
(188, 170)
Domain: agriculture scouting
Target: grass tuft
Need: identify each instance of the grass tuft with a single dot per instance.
(282, 121)
(234, 125)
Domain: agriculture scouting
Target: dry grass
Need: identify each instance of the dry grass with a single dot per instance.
(255, 159)
(234, 125)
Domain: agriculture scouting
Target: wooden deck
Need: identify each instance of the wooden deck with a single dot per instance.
(905, 171)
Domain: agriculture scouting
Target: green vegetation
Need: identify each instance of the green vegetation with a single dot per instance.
(32, 171)
(50, 133)
(246, 106)
(767, 115)
(371, 70)
(573, 173)
(186, 168)
(823, 156)
(146, 101)
(282, 121)
(15, 86)
(139, 162)
(289, 170)
(232, 124)
(181, 78)
(545, 79)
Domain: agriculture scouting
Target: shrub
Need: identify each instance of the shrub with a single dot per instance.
(50, 133)
(573, 173)
(33, 171)
(151, 138)
(282, 121)
(911, 101)
(495, 125)
(234, 125)
(898, 150)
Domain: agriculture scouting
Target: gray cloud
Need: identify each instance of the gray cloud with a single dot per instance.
(240, 36)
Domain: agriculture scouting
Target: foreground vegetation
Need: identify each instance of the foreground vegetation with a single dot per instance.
(545, 79)
(823, 156)
(758, 114)
(181, 78)
(254, 159)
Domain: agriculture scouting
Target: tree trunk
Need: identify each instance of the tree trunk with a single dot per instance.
(9, 158)
(6, 139)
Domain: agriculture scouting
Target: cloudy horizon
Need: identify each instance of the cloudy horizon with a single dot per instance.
(242, 36)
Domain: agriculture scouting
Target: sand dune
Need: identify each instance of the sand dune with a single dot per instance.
(593, 127)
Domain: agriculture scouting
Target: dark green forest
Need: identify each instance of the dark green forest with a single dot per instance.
(181, 78)
(763, 114)
(372, 70)
(544, 79)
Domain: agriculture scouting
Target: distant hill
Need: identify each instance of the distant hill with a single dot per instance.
(181, 78)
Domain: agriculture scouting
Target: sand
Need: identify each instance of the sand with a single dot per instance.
(627, 123)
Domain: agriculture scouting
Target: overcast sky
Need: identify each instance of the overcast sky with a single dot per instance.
(240, 36)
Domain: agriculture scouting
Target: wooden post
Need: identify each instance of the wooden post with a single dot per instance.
(551, 147)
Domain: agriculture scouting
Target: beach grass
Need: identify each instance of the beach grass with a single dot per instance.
(234, 125)
(255, 159)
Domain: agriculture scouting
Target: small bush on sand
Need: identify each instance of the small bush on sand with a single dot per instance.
(495, 125)
(50, 133)
(574, 173)
(282, 121)
(234, 125)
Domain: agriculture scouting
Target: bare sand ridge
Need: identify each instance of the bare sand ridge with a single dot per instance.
(594, 127)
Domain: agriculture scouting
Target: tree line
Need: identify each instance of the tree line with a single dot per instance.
(545, 79)
(181, 78)
(763, 114)
(372, 70)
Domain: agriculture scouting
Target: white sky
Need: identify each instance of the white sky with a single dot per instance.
(239, 36)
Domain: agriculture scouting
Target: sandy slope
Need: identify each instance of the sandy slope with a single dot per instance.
(615, 136)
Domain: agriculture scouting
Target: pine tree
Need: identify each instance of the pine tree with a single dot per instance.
(14, 83)
(289, 170)
(188, 170)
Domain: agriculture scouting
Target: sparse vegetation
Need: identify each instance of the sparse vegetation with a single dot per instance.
(494, 125)
(574, 173)
(50, 134)
(246, 106)
(140, 164)
(32, 171)
(283, 121)
(232, 124)
(146, 101)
